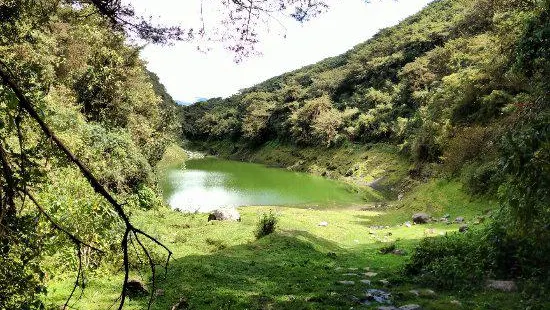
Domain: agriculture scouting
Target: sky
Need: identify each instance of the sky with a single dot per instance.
(189, 74)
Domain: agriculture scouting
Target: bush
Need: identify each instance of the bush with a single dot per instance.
(482, 178)
(146, 198)
(468, 144)
(463, 261)
(425, 147)
(266, 225)
(456, 261)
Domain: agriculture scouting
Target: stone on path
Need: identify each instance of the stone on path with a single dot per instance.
(365, 281)
(459, 219)
(370, 274)
(420, 218)
(379, 296)
(350, 274)
(384, 282)
(500, 285)
(323, 224)
(346, 282)
(410, 307)
(224, 214)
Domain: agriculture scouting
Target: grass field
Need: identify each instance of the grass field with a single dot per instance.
(220, 265)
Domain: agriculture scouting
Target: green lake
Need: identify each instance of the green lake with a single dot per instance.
(209, 183)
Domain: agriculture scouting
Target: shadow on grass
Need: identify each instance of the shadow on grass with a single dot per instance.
(289, 270)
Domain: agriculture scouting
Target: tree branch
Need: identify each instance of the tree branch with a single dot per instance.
(26, 105)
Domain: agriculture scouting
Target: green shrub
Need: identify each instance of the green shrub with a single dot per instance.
(266, 225)
(147, 198)
(455, 261)
(425, 146)
(463, 261)
(468, 145)
(482, 178)
(21, 276)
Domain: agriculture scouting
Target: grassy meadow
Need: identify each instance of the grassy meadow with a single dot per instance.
(221, 265)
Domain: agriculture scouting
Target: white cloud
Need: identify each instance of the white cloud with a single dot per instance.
(188, 73)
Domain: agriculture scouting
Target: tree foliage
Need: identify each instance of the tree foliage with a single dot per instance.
(463, 85)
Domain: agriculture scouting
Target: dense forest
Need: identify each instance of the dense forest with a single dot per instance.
(90, 86)
(461, 89)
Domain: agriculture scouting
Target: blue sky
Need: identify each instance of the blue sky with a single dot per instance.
(189, 74)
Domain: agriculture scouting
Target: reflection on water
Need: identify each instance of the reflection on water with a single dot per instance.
(210, 183)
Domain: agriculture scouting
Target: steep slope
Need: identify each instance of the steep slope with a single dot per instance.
(442, 86)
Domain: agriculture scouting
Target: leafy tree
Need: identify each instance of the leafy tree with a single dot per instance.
(259, 107)
(316, 122)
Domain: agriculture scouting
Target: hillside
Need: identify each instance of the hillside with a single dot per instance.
(443, 86)
(458, 91)
(451, 89)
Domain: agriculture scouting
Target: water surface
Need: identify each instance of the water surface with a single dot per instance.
(209, 183)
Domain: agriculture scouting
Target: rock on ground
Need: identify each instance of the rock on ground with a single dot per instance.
(346, 282)
(136, 288)
(420, 218)
(410, 307)
(427, 293)
(379, 296)
(500, 285)
(323, 224)
(224, 214)
(181, 305)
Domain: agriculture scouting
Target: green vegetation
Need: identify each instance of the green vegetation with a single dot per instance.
(221, 264)
(446, 113)
(266, 225)
(456, 98)
(65, 66)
